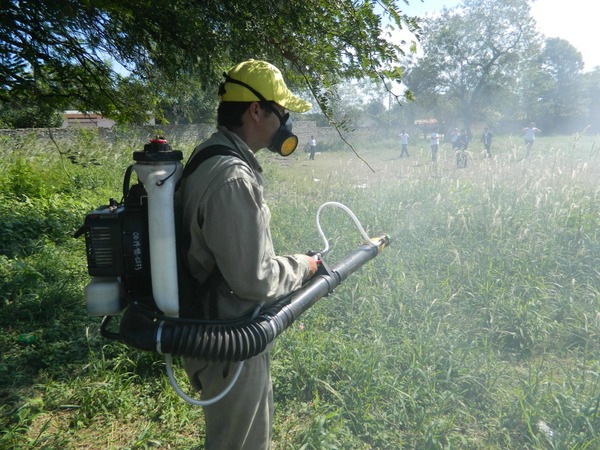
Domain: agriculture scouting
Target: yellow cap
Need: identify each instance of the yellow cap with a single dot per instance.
(267, 80)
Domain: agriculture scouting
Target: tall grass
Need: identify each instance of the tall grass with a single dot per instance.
(477, 328)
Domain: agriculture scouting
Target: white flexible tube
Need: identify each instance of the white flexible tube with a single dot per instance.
(193, 401)
(352, 216)
(216, 398)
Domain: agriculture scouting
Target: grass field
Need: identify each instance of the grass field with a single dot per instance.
(478, 328)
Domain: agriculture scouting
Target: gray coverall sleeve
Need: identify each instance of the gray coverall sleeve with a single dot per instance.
(236, 229)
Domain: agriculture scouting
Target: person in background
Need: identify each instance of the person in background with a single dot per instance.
(313, 147)
(226, 239)
(404, 138)
(486, 138)
(529, 136)
(454, 138)
(435, 144)
(462, 141)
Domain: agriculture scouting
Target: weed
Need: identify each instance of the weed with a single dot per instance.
(477, 328)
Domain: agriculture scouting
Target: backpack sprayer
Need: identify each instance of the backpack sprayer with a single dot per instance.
(132, 258)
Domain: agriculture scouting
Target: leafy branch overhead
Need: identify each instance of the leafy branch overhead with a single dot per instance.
(65, 53)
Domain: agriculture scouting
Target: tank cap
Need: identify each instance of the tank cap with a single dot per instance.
(158, 149)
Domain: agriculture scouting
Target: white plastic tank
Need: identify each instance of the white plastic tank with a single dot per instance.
(104, 296)
(159, 171)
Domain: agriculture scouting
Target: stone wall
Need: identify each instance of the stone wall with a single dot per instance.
(174, 133)
(327, 137)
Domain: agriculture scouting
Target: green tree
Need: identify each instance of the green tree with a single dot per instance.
(551, 89)
(591, 81)
(24, 113)
(62, 52)
(564, 64)
(528, 97)
(358, 101)
(470, 54)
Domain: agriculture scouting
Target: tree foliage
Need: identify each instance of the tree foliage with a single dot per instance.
(24, 113)
(471, 52)
(564, 65)
(591, 83)
(63, 52)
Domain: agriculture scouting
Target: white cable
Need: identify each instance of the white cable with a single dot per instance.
(193, 401)
(216, 398)
(352, 216)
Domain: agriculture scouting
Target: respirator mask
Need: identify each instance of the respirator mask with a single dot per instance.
(284, 142)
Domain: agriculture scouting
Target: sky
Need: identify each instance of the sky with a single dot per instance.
(575, 21)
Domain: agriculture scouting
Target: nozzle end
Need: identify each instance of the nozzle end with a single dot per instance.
(381, 241)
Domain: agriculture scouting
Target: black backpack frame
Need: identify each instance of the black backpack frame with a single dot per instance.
(116, 235)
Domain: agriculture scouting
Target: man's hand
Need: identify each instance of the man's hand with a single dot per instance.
(312, 265)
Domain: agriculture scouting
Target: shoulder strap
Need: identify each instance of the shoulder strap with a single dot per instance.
(188, 289)
(203, 155)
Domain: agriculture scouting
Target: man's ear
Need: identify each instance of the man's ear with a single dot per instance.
(254, 110)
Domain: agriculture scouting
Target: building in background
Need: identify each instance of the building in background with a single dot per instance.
(78, 119)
